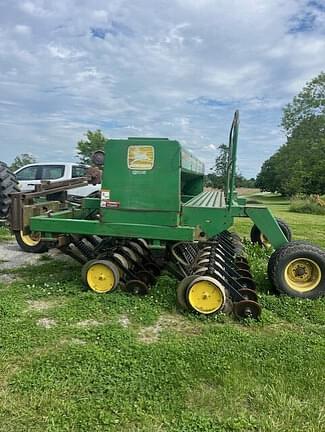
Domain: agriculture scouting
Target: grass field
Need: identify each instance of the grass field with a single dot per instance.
(74, 361)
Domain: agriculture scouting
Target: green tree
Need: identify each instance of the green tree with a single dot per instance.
(218, 177)
(22, 160)
(310, 102)
(94, 141)
(242, 181)
(299, 165)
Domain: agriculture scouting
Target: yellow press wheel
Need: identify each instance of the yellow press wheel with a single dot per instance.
(101, 276)
(30, 242)
(298, 269)
(205, 295)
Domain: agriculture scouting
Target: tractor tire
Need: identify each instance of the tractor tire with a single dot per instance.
(8, 185)
(258, 237)
(29, 243)
(298, 270)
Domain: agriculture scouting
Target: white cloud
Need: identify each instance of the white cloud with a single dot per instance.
(100, 15)
(22, 29)
(33, 8)
(176, 69)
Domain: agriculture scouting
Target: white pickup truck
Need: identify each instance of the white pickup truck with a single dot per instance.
(30, 175)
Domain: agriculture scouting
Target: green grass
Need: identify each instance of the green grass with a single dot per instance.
(304, 226)
(74, 361)
(4, 233)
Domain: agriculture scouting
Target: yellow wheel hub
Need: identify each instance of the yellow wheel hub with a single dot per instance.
(205, 297)
(100, 278)
(302, 274)
(30, 239)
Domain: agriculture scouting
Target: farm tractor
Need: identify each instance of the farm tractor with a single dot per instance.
(153, 215)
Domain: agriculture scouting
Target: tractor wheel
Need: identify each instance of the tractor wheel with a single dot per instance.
(8, 185)
(258, 237)
(100, 276)
(298, 270)
(31, 243)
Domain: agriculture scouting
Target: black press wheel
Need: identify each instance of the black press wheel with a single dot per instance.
(258, 237)
(298, 270)
(31, 243)
(137, 286)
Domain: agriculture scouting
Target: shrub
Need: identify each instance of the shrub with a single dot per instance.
(311, 205)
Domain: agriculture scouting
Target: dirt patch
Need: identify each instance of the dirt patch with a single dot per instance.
(7, 279)
(124, 321)
(15, 257)
(88, 323)
(247, 191)
(41, 305)
(73, 341)
(172, 323)
(46, 323)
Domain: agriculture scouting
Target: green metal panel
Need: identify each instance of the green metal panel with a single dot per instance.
(191, 185)
(208, 220)
(190, 163)
(267, 224)
(144, 179)
(215, 199)
(135, 216)
(140, 185)
(90, 227)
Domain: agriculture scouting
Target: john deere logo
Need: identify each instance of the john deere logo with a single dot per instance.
(141, 157)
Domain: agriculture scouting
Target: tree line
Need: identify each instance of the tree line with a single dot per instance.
(298, 167)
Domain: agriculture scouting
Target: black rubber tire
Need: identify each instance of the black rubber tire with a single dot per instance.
(137, 287)
(292, 251)
(181, 291)
(40, 247)
(256, 233)
(8, 185)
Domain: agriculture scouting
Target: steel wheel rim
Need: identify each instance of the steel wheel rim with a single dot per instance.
(100, 278)
(264, 240)
(302, 274)
(205, 297)
(30, 239)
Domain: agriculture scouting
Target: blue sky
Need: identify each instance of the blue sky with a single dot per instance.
(166, 68)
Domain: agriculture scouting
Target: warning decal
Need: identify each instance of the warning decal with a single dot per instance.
(140, 157)
(105, 200)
